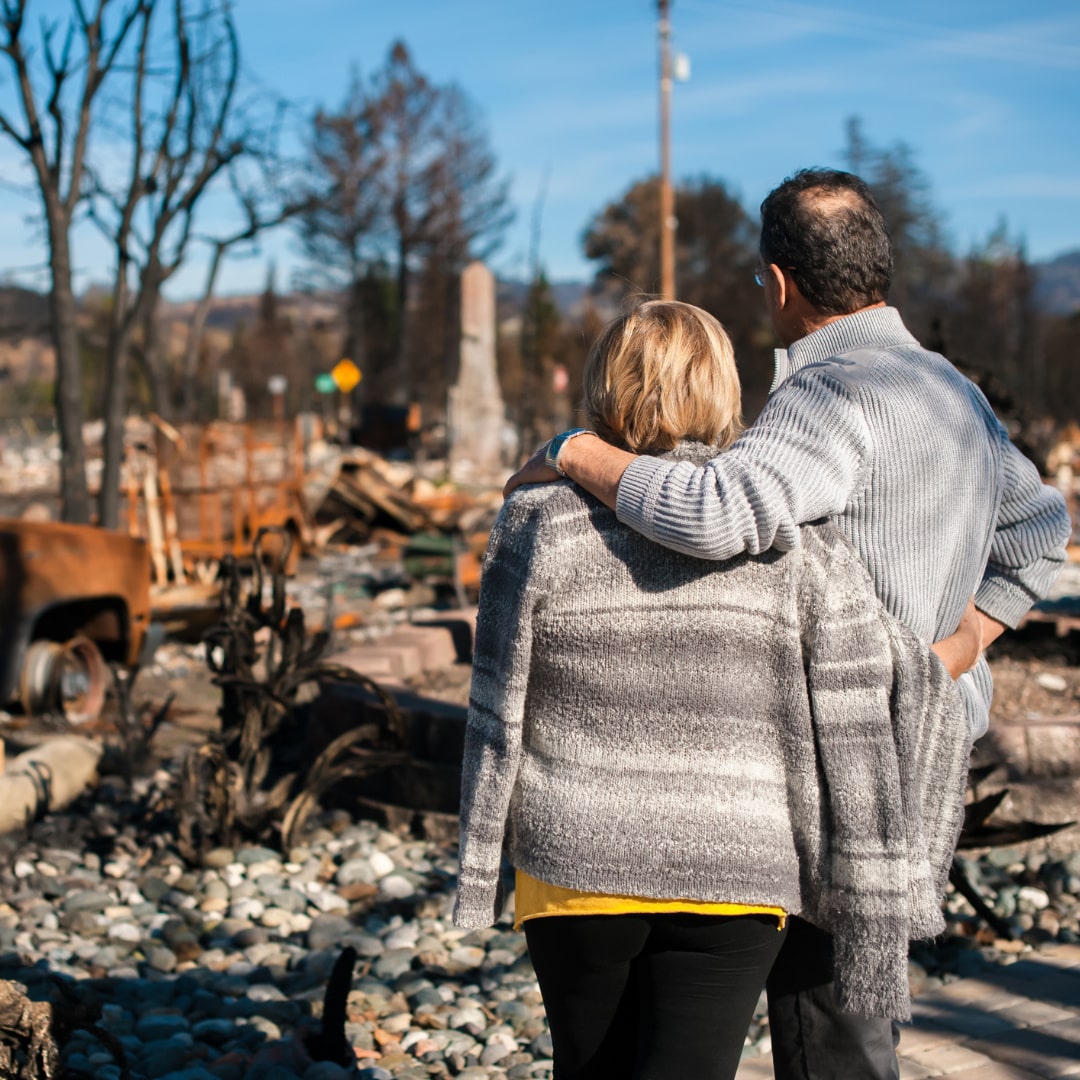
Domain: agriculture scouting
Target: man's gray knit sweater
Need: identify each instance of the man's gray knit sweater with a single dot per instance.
(890, 441)
(759, 731)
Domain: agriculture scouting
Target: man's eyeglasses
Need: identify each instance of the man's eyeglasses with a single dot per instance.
(759, 276)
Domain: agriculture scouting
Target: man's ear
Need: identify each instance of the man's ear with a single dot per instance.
(780, 284)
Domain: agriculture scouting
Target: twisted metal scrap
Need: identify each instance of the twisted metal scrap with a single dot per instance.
(979, 832)
(222, 786)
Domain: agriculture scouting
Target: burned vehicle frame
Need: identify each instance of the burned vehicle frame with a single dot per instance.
(73, 598)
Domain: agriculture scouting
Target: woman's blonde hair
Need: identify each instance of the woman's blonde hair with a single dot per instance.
(660, 374)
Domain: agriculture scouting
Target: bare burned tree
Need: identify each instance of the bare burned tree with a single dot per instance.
(408, 191)
(440, 189)
(337, 227)
(185, 129)
(716, 252)
(54, 133)
(264, 202)
(923, 270)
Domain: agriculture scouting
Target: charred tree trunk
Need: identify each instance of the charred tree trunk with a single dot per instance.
(113, 443)
(189, 407)
(74, 493)
(403, 391)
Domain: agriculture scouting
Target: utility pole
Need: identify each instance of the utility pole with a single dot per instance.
(667, 194)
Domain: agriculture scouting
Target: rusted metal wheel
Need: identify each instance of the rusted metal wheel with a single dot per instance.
(71, 678)
(37, 681)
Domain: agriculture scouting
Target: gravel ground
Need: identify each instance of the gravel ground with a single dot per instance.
(169, 972)
(218, 972)
(160, 970)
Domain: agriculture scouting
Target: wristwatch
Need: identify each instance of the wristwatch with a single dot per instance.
(554, 448)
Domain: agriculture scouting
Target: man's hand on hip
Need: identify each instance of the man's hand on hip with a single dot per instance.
(959, 652)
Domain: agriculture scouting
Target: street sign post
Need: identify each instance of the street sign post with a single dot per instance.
(346, 375)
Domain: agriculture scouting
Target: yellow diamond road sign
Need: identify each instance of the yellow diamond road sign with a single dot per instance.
(346, 375)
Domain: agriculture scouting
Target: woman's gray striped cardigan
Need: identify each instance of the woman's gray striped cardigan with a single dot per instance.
(758, 731)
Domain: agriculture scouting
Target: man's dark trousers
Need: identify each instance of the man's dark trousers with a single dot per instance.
(811, 1038)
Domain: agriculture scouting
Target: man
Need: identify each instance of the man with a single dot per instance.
(886, 438)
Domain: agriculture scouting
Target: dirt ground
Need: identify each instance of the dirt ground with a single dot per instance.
(1020, 662)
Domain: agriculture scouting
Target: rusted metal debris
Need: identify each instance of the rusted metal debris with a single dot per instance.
(251, 781)
(72, 597)
(979, 832)
(201, 493)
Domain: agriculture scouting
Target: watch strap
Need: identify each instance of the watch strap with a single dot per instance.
(554, 448)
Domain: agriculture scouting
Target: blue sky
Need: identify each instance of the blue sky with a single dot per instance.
(986, 94)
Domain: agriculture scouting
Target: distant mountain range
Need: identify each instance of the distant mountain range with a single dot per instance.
(568, 296)
(1057, 284)
(25, 313)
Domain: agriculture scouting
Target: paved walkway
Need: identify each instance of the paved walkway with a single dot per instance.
(1020, 1022)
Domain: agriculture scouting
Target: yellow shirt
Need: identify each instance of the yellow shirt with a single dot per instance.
(535, 899)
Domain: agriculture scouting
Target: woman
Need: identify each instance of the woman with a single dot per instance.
(679, 753)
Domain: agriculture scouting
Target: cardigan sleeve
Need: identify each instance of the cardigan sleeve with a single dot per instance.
(933, 749)
(800, 461)
(893, 744)
(862, 897)
(512, 588)
(1028, 548)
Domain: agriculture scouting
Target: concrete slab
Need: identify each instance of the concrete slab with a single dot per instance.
(401, 661)
(943, 1060)
(994, 1071)
(924, 1035)
(461, 625)
(755, 1068)
(1033, 1014)
(1014, 1022)
(435, 645)
(910, 1070)
(1051, 1052)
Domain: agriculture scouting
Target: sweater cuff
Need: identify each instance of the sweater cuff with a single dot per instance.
(639, 491)
(870, 967)
(1003, 599)
(479, 901)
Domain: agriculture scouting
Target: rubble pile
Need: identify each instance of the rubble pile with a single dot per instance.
(374, 497)
(195, 494)
(29, 463)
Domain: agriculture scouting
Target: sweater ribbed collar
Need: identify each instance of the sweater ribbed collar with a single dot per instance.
(697, 453)
(874, 327)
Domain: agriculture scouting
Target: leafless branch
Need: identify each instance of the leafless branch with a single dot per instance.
(8, 129)
(58, 69)
(95, 75)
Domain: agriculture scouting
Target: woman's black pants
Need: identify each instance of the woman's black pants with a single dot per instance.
(650, 997)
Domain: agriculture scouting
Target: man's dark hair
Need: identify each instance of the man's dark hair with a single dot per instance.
(825, 228)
